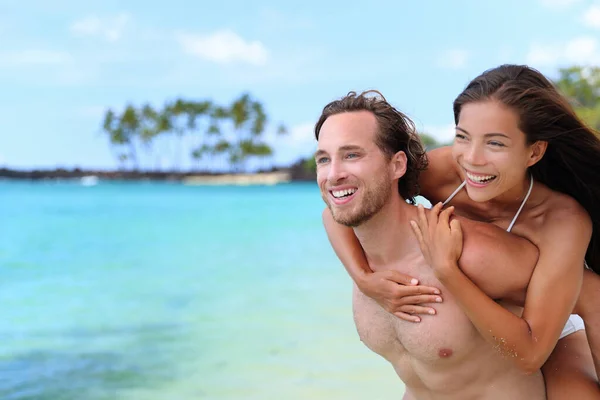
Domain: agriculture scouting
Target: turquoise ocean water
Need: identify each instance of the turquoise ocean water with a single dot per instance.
(163, 291)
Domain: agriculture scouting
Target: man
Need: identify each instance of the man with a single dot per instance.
(368, 162)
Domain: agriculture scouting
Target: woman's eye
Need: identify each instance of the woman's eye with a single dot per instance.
(497, 144)
(460, 136)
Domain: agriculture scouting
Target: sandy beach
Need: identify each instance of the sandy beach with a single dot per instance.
(271, 178)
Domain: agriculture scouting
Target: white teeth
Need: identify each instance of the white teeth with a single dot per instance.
(480, 178)
(340, 193)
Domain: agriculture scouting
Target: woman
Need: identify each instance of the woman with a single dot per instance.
(523, 161)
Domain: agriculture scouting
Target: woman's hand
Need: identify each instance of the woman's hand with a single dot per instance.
(440, 240)
(399, 294)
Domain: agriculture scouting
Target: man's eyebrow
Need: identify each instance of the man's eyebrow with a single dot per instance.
(320, 153)
(351, 147)
(348, 147)
(487, 135)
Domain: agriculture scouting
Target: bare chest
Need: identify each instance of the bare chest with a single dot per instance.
(448, 335)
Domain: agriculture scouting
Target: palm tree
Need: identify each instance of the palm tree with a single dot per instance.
(164, 122)
(194, 110)
(149, 128)
(112, 128)
(129, 126)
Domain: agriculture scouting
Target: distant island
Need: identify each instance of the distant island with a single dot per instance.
(302, 170)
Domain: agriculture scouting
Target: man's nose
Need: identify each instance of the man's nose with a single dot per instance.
(337, 172)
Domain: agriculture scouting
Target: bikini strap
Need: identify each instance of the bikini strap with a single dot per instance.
(522, 204)
(458, 189)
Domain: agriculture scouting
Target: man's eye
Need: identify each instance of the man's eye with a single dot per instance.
(352, 155)
(322, 160)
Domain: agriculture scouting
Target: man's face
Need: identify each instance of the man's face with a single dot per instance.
(353, 174)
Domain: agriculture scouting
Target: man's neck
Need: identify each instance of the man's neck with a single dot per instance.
(388, 236)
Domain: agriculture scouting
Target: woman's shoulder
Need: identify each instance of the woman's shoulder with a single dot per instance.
(563, 212)
(441, 176)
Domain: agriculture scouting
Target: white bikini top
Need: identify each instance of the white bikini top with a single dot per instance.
(462, 185)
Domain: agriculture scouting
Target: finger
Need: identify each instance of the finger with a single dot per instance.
(407, 317)
(421, 299)
(413, 310)
(434, 216)
(456, 229)
(437, 208)
(445, 216)
(401, 278)
(418, 234)
(404, 291)
(422, 221)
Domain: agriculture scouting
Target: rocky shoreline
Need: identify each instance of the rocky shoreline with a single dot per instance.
(297, 172)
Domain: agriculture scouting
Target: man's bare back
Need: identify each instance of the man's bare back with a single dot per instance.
(443, 356)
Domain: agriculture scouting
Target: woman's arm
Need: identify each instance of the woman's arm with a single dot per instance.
(397, 293)
(440, 177)
(551, 294)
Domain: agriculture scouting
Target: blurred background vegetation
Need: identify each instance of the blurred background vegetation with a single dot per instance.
(231, 137)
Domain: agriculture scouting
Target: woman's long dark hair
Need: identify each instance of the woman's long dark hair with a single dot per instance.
(571, 163)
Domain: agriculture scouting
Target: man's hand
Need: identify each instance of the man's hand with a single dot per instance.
(399, 294)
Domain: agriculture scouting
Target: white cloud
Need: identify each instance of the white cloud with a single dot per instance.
(441, 133)
(453, 59)
(582, 50)
(558, 3)
(224, 47)
(109, 28)
(591, 17)
(33, 58)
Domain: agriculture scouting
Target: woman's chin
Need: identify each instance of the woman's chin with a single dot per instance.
(480, 196)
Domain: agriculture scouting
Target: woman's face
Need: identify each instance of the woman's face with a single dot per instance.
(492, 151)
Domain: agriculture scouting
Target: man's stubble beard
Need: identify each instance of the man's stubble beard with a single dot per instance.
(373, 201)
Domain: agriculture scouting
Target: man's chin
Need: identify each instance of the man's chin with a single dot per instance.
(347, 219)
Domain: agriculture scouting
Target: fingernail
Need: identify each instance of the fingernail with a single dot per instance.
(438, 299)
(417, 319)
(436, 291)
(414, 281)
(432, 312)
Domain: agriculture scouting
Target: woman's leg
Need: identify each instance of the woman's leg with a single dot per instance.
(569, 372)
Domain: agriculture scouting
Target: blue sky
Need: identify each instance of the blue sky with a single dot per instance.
(63, 62)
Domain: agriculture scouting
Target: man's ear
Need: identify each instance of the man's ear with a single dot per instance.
(538, 149)
(398, 165)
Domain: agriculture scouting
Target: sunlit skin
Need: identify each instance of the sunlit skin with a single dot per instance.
(348, 161)
(491, 153)
(488, 143)
(439, 357)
